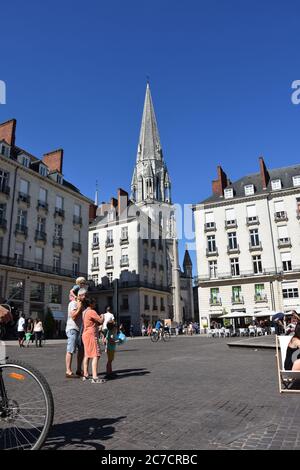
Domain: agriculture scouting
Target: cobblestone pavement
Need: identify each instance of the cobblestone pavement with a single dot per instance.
(190, 393)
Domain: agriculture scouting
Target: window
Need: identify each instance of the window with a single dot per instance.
(228, 193)
(4, 150)
(146, 302)
(22, 218)
(95, 262)
(24, 187)
(254, 238)
(283, 233)
(95, 279)
(19, 254)
(110, 236)
(213, 269)
(76, 236)
(125, 303)
(109, 259)
(2, 212)
(154, 303)
(110, 277)
(41, 224)
(24, 160)
(251, 213)
(95, 238)
(259, 291)
(16, 289)
(59, 179)
(39, 256)
(249, 189)
(56, 262)
(235, 267)
(77, 210)
(236, 293)
(276, 184)
(75, 266)
(290, 290)
(211, 243)
(286, 259)
(37, 291)
(209, 219)
(55, 296)
(4, 177)
(215, 295)
(43, 195)
(232, 241)
(279, 207)
(230, 216)
(43, 170)
(296, 180)
(124, 233)
(257, 264)
(124, 256)
(57, 231)
(59, 202)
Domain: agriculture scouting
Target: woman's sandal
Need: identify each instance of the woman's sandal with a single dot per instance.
(85, 377)
(98, 381)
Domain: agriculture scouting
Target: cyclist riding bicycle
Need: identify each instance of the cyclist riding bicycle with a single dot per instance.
(159, 326)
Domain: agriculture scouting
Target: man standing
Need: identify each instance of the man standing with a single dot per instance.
(73, 331)
(21, 330)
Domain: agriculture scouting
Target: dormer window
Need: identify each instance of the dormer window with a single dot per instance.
(4, 150)
(296, 180)
(276, 184)
(228, 193)
(24, 160)
(43, 170)
(249, 189)
(59, 179)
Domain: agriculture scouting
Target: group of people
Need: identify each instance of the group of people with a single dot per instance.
(84, 329)
(29, 330)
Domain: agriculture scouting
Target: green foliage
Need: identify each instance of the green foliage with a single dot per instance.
(49, 325)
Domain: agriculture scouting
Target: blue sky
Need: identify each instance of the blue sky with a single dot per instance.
(220, 75)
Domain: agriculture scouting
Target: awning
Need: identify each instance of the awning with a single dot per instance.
(236, 315)
(58, 315)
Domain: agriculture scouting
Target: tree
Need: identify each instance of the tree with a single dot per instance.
(49, 324)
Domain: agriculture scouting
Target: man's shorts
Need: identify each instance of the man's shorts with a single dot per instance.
(110, 355)
(74, 341)
(21, 335)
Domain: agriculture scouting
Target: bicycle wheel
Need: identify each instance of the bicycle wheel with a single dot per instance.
(154, 337)
(166, 337)
(26, 407)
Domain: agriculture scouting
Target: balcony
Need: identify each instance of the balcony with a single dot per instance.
(59, 212)
(254, 220)
(260, 298)
(124, 263)
(257, 247)
(109, 243)
(40, 236)
(145, 262)
(153, 264)
(232, 250)
(215, 301)
(109, 265)
(95, 245)
(3, 223)
(147, 307)
(22, 197)
(280, 216)
(21, 229)
(153, 244)
(76, 247)
(58, 241)
(237, 300)
(154, 307)
(4, 189)
(162, 308)
(284, 242)
(124, 241)
(230, 224)
(212, 252)
(210, 227)
(94, 267)
(42, 205)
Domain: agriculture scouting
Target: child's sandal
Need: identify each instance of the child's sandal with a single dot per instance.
(98, 381)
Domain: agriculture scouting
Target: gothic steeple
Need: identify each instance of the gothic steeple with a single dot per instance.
(150, 179)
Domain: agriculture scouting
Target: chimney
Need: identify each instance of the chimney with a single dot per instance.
(114, 204)
(264, 174)
(54, 160)
(122, 201)
(92, 212)
(103, 208)
(8, 132)
(220, 184)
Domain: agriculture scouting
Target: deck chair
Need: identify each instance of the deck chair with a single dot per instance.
(286, 378)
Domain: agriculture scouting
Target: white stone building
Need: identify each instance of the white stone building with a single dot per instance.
(43, 229)
(132, 241)
(247, 243)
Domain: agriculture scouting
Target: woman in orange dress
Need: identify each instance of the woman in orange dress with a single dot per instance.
(91, 322)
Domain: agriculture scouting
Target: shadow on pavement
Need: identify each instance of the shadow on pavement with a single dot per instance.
(85, 434)
(124, 373)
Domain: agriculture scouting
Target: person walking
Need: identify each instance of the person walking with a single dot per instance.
(73, 332)
(91, 321)
(38, 331)
(21, 330)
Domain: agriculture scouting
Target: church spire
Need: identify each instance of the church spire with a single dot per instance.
(150, 181)
(149, 146)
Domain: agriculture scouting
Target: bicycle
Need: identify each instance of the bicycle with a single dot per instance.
(160, 334)
(26, 406)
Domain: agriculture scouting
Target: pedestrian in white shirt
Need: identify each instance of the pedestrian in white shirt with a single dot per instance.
(38, 331)
(21, 330)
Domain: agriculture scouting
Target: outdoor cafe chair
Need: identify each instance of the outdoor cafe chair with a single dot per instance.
(259, 331)
(242, 331)
(286, 378)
